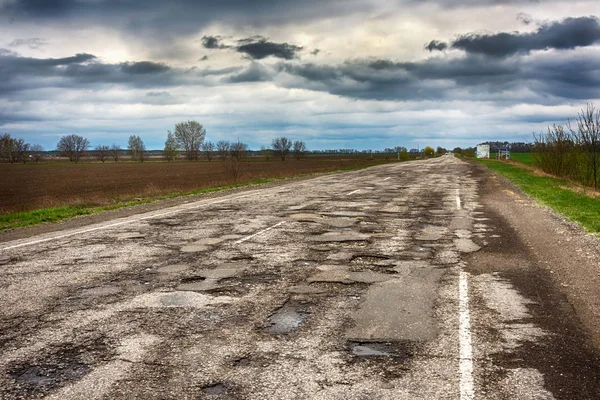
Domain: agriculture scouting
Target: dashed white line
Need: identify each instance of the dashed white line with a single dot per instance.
(467, 389)
(352, 192)
(242, 240)
(389, 177)
(458, 205)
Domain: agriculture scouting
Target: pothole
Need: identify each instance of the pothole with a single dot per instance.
(287, 318)
(369, 259)
(218, 389)
(193, 279)
(64, 365)
(399, 350)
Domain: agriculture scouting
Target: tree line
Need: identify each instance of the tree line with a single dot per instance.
(188, 138)
(572, 151)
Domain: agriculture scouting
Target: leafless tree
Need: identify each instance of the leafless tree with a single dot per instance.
(13, 150)
(281, 147)
(234, 169)
(238, 150)
(5, 146)
(72, 146)
(171, 147)
(137, 148)
(37, 152)
(208, 148)
(20, 151)
(102, 152)
(223, 149)
(555, 151)
(190, 136)
(299, 149)
(115, 152)
(588, 135)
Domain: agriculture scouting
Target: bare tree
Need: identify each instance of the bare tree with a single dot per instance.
(281, 147)
(115, 152)
(223, 149)
(37, 152)
(234, 169)
(102, 152)
(208, 148)
(137, 148)
(588, 134)
(14, 150)
(555, 151)
(171, 147)
(190, 136)
(5, 146)
(299, 149)
(238, 150)
(72, 146)
(20, 151)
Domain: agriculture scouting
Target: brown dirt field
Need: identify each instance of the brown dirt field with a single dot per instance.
(34, 186)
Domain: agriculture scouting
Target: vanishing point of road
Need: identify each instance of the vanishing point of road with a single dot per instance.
(430, 279)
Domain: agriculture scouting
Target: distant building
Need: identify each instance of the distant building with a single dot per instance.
(483, 151)
(503, 153)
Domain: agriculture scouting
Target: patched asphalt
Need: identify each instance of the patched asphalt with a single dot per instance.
(341, 286)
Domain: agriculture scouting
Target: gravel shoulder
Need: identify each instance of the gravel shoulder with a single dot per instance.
(562, 249)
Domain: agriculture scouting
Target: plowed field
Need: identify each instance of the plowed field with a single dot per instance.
(34, 186)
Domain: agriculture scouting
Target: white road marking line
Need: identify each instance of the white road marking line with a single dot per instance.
(467, 390)
(458, 205)
(389, 177)
(352, 192)
(129, 220)
(242, 240)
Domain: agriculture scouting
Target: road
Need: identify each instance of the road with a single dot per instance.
(402, 281)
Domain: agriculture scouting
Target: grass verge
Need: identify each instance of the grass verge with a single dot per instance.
(56, 214)
(554, 193)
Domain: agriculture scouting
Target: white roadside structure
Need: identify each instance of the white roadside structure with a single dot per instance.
(483, 151)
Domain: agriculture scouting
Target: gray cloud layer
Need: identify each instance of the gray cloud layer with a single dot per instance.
(437, 78)
(256, 47)
(569, 33)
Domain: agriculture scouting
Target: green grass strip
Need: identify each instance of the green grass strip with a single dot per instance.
(554, 193)
(56, 214)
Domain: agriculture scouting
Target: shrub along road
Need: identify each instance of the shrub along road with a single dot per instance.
(430, 279)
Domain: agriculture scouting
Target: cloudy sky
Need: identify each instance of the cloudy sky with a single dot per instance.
(363, 74)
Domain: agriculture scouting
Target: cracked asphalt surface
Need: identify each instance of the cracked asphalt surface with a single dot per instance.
(344, 286)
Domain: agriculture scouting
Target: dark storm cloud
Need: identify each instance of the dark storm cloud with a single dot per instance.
(569, 33)
(436, 45)
(541, 77)
(470, 77)
(85, 70)
(258, 48)
(213, 42)
(144, 67)
(166, 20)
(255, 47)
